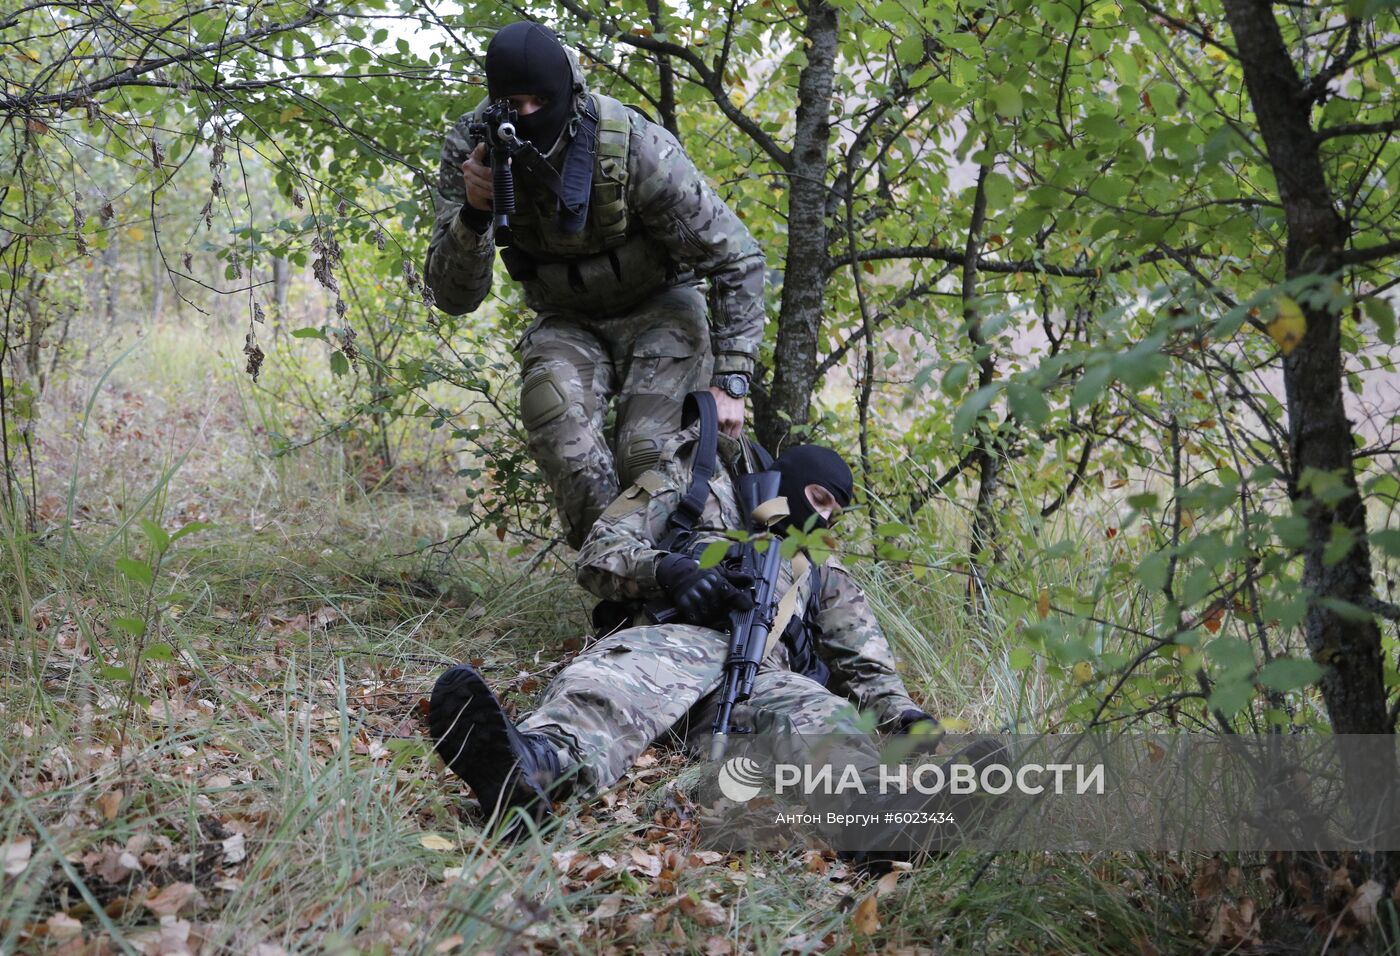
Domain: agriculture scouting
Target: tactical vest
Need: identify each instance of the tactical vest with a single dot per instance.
(608, 267)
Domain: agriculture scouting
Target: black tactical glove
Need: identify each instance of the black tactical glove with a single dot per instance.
(702, 595)
(907, 720)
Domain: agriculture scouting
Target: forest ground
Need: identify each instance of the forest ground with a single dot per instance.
(246, 772)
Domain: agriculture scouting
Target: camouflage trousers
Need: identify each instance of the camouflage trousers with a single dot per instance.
(572, 368)
(656, 682)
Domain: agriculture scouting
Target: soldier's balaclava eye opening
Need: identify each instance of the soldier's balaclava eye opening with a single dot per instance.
(526, 58)
(804, 465)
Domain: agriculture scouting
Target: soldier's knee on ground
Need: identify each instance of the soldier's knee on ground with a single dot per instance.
(544, 396)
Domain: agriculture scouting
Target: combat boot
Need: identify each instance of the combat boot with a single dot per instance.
(471, 732)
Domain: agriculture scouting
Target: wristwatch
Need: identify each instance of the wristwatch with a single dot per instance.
(735, 384)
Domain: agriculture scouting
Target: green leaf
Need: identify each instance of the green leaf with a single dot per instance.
(138, 571)
(1339, 545)
(191, 528)
(1231, 697)
(1292, 530)
(1000, 191)
(1387, 541)
(158, 652)
(340, 365)
(1230, 657)
(714, 553)
(1094, 380)
(1152, 571)
(1381, 312)
(973, 407)
(159, 539)
(1288, 673)
(1027, 403)
(955, 379)
(134, 626)
(309, 333)
(1006, 100)
(1020, 659)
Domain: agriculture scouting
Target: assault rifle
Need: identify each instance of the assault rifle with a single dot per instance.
(496, 129)
(749, 630)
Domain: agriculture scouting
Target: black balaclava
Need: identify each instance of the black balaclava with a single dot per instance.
(804, 465)
(526, 58)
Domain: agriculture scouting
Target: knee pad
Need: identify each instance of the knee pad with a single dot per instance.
(641, 454)
(543, 397)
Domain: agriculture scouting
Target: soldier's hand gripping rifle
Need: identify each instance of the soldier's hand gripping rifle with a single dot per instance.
(749, 630)
(496, 129)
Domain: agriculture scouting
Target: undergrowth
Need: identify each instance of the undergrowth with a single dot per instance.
(225, 753)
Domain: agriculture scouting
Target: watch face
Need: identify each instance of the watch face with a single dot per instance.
(736, 385)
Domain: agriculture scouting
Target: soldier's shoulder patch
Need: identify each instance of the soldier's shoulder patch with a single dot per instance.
(647, 486)
(652, 482)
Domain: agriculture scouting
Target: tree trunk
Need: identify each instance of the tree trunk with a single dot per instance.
(1320, 436)
(666, 76)
(986, 458)
(805, 264)
(1348, 647)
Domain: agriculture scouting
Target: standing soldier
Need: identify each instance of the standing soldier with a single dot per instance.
(613, 235)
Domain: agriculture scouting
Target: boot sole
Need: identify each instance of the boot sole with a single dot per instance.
(474, 737)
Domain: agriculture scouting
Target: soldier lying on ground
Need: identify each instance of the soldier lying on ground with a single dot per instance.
(644, 682)
(612, 239)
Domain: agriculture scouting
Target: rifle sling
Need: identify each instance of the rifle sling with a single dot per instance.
(787, 605)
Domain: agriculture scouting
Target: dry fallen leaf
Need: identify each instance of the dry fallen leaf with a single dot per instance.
(115, 865)
(172, 899)
(866, 919)
(645, 863)
(718, 946)
(1363, 904)
(110, 803)
(449, 944)
(1234, 925)
(15, 856)
(234, 851)
(63, 926)
(608, 908)
(433, 841)
(704, 912)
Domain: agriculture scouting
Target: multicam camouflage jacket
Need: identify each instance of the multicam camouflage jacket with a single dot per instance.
(618, 562)
(678, 230)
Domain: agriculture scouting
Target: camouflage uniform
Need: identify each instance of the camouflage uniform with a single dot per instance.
(620, 306)
(629, 689)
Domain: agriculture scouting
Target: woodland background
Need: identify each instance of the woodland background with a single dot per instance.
(1099, 295)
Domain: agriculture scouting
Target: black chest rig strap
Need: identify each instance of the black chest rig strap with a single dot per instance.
(576, 182)
(574, 186)
(700, 405)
